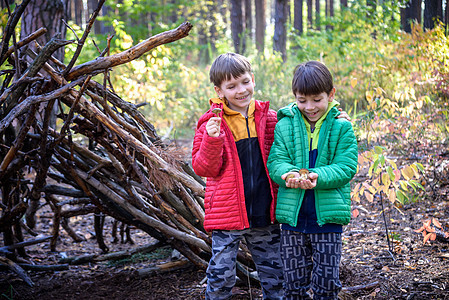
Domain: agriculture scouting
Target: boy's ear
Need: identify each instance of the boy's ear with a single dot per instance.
(332, 95)
(218, 91)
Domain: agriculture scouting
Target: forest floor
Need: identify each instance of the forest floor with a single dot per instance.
(369, 270)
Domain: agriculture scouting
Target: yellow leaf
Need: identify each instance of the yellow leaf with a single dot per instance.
(356, 188)
(369, 196)
(369, 96)
(379, 91)
(353, 82)
(386, 179)
(385, 189)
(415, 170)
(392, 195)
(375, 184)
(407, 172)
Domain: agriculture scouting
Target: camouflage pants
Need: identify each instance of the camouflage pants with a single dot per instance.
(311, 260)
(263, 244)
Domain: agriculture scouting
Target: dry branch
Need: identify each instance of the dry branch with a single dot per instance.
(16, 269)
(33, 36)
(93, 258)
(103, 63)
(164, 268)
(126, 173)
(22, 106)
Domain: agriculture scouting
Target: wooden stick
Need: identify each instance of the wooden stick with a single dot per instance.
(16, 269)
(361, 287)
(165, 267)
(10, 27)
(83, 38)
(45, 268)
(22, 106)
(132, 53)
(26, 40)
(24, 244)
(111, 256)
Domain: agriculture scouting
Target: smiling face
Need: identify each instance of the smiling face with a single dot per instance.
(313, 107)
(237, 91)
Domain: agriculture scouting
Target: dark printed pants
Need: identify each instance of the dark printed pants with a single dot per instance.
(311, 260)
(264, 245)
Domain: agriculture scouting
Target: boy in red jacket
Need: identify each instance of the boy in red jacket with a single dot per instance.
(231, 150)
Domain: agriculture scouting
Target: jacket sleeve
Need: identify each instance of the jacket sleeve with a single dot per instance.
(279, 161)
(207, 153)
(343, 165)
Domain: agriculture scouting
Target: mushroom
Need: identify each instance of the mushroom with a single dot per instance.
(290, 175)
(303, 174)
(217, 111)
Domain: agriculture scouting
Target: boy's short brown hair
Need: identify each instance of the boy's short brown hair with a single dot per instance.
(312, 78)
(228, 65)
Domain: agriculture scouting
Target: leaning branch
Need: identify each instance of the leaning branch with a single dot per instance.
(132, 53)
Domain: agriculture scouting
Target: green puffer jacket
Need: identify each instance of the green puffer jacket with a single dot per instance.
(336, 165)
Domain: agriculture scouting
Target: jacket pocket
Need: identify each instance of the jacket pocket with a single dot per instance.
(342, 196)
(211, 199)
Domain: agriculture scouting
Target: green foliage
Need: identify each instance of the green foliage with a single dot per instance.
(273, 79)
(382, 75)
(395, 236)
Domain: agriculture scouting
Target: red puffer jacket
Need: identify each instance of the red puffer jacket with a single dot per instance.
(216, 158)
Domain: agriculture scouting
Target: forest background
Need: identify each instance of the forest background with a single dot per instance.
(389, 60)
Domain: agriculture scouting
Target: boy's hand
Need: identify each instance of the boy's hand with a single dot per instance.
(213, 126)
(343, 114)
(294, 181)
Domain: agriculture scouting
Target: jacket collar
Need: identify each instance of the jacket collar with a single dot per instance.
(292, 109)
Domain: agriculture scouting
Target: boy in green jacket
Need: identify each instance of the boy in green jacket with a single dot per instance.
(309, 140)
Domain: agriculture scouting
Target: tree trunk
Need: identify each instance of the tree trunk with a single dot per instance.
(249, 19)
(343, 4)
(78, 12)
(309, 14)
(297, 18)
(105, 29)
(280, 28)
(446, 16)
(431, 13)
(260, 25)
(372, 6)
(92, 6)
(47, 14)
(317, 15)
(411, 13)
(237, 26)
(329, 13)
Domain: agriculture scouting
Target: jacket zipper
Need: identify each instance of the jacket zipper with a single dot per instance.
(231, 138)
(306, 154)
(323, 134)
(250, 167)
